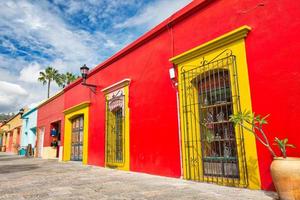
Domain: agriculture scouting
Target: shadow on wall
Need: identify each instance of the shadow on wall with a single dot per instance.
(5, 169)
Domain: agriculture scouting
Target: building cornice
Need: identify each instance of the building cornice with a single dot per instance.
(232, 36)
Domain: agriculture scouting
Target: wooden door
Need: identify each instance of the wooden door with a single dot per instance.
(77, 139)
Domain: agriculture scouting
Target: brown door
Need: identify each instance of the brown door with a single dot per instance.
(77, 139)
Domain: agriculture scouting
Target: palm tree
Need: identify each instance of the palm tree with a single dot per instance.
(66, 79)
(50, 74)
(70, 77)
(62, 80)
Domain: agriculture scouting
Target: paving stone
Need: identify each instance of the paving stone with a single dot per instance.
(22, 178)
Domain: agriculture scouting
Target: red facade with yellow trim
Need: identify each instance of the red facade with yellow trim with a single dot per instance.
(272, 48)
(50, 115)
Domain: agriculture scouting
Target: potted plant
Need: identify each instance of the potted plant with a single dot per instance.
(54, 144)
(285, 170)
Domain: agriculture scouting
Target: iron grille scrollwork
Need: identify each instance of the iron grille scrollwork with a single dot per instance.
(115, 129)
(213, 148)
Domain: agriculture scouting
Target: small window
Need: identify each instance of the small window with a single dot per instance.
(118, 113)
(115, 131)
(209, 97)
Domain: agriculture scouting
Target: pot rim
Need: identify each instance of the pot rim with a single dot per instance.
(287, 158)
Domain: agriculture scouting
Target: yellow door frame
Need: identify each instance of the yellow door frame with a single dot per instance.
(70, 114)
(121, 86)
(234, 41)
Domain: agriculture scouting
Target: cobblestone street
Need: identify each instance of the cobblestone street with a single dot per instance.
(22, 178)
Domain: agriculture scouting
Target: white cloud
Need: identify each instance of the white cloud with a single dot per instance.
(38, 29)
(153, 14)
(97, 10)
(7, 87)
(11, 96)
(30, 74)
(40, 32)
(35, 28)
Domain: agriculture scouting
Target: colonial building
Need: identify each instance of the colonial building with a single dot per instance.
(162, 104)
(11, 134)
(28, 135)
(50, 123)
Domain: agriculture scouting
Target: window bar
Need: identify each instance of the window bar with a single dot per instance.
(202, 102)
(190, 103)
(197, 124)
(186, 129)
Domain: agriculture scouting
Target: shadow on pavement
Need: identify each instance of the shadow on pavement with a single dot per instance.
(4, 155)
(10, 158)
(272, 194)
(4, 169)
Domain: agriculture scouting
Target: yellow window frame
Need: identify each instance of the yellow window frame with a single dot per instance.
(122, 86)
(234, 41)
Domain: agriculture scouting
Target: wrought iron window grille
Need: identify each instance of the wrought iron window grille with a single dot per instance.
(213, 147)
(115, 130)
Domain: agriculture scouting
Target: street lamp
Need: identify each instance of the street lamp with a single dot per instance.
(21, 111)
(84, 70)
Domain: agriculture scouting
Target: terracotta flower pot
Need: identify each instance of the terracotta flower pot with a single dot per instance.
(286, 177)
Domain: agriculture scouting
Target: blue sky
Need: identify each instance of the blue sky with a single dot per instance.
(65, 34)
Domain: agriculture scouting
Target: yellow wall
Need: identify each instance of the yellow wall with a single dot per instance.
(12, 126)
(71, 113)
(5, 135)
(191, 59)
(15, 122)
(3, 140)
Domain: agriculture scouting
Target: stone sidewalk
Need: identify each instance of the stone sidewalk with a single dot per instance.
(22, 178)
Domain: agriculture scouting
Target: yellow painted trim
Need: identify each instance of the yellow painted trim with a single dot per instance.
(126, 165)
(121, 84)
(77, 107)
(219, 42)
(71, 113)
(192, 59)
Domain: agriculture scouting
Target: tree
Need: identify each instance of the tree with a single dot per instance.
(66, 79)
(5, 116)
(62, 80)
(46, 77)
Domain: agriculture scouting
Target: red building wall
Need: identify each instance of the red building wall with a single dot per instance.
(272, 47)
(154, 145)
(48, 113)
